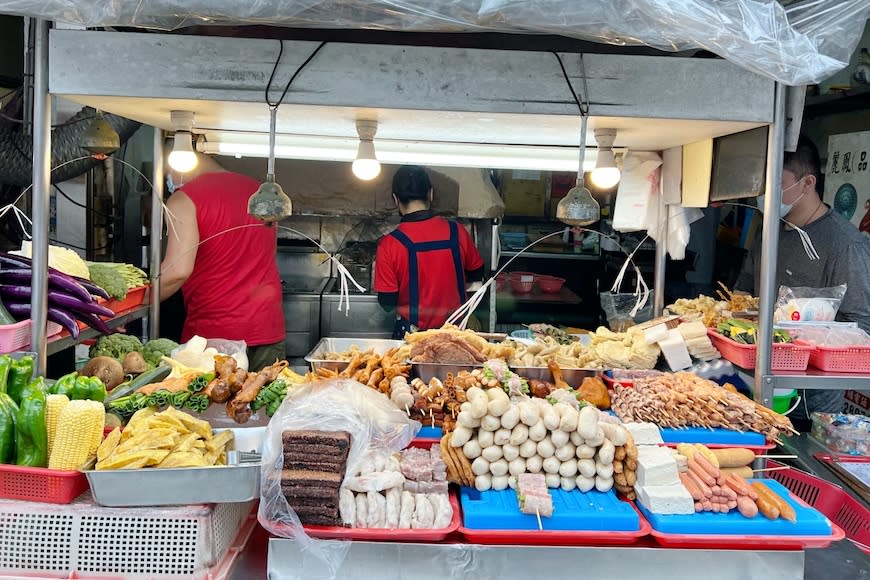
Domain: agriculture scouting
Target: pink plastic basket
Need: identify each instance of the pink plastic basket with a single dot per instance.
(792, 356)
(550, 284)
(522, 282)
(850, 359)
(14, 336)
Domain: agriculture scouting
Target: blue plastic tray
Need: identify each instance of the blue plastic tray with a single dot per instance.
(809, 521)
(430, 433)
(717, 436)
(572, 510)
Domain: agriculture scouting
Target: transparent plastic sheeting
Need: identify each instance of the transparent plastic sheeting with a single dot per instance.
(373, 422)
(794, 41)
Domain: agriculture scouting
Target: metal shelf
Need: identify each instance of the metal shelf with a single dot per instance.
(54, 345)
(819, 380)
(552, 256)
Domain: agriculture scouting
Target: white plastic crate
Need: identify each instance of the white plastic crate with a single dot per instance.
(83, 539)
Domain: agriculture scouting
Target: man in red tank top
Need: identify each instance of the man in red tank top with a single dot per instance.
(223, 260)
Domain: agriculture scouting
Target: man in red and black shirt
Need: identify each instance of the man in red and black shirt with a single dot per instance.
(423, 265)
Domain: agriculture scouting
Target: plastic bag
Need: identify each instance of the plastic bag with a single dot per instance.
(199, 353)
(618, 310)
(638, 191)
(801, 43)
(806, 304)
(374, 424)
(832, 334)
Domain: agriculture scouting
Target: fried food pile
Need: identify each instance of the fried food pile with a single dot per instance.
(685, 400)
(169, 438)
(238, 388)
(369, 368)
(712, 311)
(451, 345)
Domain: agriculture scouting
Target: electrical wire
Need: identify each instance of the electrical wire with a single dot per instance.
(85, 207)
(292, 78)
(584, 110)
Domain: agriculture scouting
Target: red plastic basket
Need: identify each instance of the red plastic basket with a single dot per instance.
(840, 507)
(850, 359)
(135, 297)
(522, 282)
(550, 284)
(794, 356)
(41, 484)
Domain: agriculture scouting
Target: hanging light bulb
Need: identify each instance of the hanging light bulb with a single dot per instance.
(605, 175)
(366, 165)
(269, 203)
(100, 139)
(578, 207)
(182, 158)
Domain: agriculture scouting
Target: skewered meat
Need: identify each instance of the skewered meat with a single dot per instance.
(239, 408)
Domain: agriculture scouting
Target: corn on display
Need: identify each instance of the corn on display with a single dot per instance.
(77, 435)
(54, 404)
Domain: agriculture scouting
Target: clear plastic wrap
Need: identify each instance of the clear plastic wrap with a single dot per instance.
(805, 304)
(373, 422)
(795, 41)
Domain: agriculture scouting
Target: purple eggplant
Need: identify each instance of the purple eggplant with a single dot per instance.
(91, 287)
(20, 310)
(23, 276)
(94, 322)
(65, 320)
(72, 303)
(13, 261)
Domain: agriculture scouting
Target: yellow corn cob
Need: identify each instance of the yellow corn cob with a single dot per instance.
(80, 425)
(54, 404)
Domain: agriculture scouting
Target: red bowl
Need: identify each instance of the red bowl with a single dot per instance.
(522, 282)
(550, 284)
(501, 281)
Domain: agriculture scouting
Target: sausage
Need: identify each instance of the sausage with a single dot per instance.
(785, 510)
(739, 485)
(746, 507)
(706, 465)
(700, 484)
(691, 487)
(700, 472)
(766, 506)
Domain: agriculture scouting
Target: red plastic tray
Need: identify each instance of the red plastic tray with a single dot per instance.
(135, 297)
(403, 535)
(41, 484)
(851, 359)
(749, 542)
(794, 356)
(832, 500)
(558, 537)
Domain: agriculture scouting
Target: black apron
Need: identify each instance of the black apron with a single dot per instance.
(414, 248)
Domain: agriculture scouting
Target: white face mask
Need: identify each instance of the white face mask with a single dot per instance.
(784, 208)
(171, 186)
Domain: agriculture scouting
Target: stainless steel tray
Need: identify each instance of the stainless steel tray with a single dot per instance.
(425, 371)
(571, 376)
(316, 357)
(182, 486)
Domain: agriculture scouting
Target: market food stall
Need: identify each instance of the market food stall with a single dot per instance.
(216, 76)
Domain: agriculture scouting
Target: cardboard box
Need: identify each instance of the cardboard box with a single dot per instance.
(525, 193)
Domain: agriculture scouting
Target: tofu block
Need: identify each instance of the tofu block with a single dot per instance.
(655, 333)
(656, 466)
(665, 499)
(644, 433)
(675, 351)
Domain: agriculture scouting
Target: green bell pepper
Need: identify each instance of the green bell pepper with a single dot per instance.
(65, 385)
(37, 384)
(20, 375)
(31, 436)
(5, 364)
(90, 388)
(8, 413)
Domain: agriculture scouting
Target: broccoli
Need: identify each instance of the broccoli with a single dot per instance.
(115, 346)
(159, 347)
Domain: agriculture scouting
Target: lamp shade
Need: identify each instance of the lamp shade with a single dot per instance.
(269, 203)
(578, 207)
(100, 138)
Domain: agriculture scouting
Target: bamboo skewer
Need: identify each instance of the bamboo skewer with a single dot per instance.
(540, 524)
(771, 469)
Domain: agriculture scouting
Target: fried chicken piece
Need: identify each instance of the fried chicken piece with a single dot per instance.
(594, 391)
(445, 348)
(556, 371)
(239, 408)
